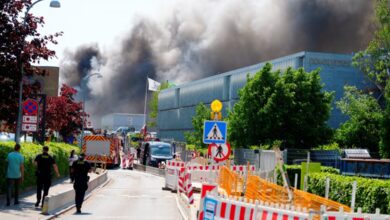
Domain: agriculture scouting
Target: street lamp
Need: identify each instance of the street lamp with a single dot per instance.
(53, 4)
(98, 75)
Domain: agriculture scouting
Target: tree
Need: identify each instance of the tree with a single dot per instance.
(384, 145)
(153, 105)
(363, 129)
(375, 62)
(290, 107)
(63, 114)
(196, 137)
(15, 50)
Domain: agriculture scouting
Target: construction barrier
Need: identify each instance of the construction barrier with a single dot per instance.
(341, 215)
(219, 207)
(262, 190)
(172, 171)
(230, 182)
(199, 173)
(185, 185)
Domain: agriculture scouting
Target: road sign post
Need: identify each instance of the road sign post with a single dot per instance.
(215, 132)
(30, 115)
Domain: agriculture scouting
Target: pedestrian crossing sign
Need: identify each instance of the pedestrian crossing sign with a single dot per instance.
(214, 132)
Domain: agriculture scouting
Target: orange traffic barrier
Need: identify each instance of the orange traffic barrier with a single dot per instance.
(260, 189)
(231, 182)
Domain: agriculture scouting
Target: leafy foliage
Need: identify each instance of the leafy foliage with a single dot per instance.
(290, 107)
(15, 50)
(331, 146)
(196, 137)
(363, 129)
(375, 60)
(384, 145)
(63, 114)
(59, 151)
(153, 105)
(370, 194)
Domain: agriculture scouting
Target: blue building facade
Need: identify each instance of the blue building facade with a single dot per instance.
(176, 105)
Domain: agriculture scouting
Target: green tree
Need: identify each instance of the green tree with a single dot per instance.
(384, 146)
(195, 137)
(290, 107)
(363, 129)
(375, 62)
(153, 105)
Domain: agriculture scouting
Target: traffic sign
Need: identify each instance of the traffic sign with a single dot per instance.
(30, 107)
(219, 152)
(29, 127)
(216, 106)
(214, 132)
(30, 119)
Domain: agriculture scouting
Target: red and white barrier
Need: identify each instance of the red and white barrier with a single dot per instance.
(340, 215)
(206, 188)
(231, 209)
(199, 173)
(173, 163)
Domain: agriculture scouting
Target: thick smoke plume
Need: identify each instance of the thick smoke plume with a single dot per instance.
(202, 38)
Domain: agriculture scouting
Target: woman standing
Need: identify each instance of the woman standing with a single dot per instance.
(73, 157)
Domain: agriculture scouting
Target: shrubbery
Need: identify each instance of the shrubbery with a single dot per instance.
(293, 169)
(59, 151)
(370, 194)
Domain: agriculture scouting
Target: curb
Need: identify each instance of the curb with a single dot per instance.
(73, 205)
(182, 213)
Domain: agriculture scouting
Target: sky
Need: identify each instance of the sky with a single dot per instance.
(92, 21)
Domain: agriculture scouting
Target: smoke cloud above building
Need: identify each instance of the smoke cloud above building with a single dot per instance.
(195, 39)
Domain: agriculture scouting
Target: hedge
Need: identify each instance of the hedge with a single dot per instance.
(293, 169)
(60, 151)
(370, 194)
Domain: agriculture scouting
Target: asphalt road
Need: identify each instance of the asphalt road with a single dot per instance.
(129, 195)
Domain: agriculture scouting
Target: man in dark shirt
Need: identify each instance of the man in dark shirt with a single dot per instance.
(44, 163)
(80, 169)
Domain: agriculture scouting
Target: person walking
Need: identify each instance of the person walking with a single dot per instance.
(80, 170)
(15, 173)
(44, 163)
(72, 158)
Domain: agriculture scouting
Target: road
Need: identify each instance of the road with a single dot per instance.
(129, 195)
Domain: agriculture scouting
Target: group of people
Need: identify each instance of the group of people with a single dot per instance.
(45, 164)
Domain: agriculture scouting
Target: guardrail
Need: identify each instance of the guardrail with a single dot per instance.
(149, 169)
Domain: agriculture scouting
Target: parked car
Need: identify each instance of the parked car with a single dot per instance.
(154, 152)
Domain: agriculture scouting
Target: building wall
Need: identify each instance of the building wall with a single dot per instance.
(177, 105)
(115, 120)
(49, 82)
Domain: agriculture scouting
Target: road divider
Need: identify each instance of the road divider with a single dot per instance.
(56, 202)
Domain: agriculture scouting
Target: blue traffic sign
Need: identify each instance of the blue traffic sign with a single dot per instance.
(214, 132)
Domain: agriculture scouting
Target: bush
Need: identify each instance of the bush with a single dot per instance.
(293, 169)
(59, 151)
(370, 194)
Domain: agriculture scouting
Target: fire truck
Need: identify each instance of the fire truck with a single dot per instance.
(102, 150)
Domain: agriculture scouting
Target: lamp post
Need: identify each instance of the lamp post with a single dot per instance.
(53, 4)
(98, 75)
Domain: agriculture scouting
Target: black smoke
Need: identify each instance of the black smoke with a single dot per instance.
(202, 38)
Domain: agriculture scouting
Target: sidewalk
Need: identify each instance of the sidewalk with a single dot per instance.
(26, 208)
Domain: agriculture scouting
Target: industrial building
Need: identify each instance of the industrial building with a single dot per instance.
(176, 105)
(113, 121)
